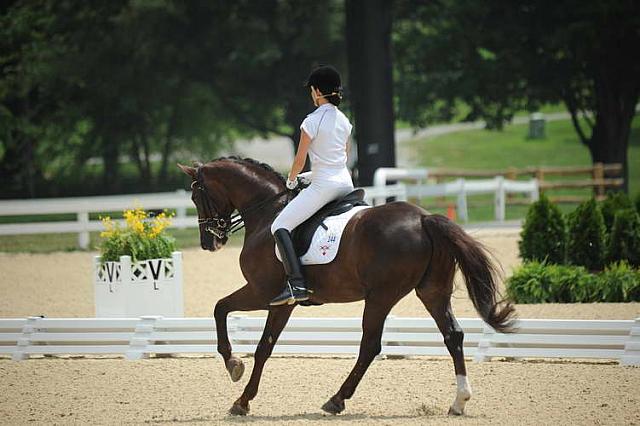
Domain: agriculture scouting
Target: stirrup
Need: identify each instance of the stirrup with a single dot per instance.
(290, 295)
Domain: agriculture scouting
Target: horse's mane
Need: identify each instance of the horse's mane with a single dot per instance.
(251, 161)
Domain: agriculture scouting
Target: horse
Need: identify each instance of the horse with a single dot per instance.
(385, 252)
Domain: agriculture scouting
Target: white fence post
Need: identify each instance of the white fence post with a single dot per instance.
(631, 354)
(535, 192)
(463, 212)
(83, 235)
(138, 345)
(24, 342)
(484, 344)
(181, 212)
(499, 199)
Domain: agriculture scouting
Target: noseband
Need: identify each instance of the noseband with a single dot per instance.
(219, 226)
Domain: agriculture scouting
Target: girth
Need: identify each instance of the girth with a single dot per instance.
(303, 233)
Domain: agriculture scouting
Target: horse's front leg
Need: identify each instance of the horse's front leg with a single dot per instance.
(277, 319)
(243, 299)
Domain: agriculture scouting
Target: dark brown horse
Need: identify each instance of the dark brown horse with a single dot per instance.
(385, 253)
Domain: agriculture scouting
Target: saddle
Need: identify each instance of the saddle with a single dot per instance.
(303, 233)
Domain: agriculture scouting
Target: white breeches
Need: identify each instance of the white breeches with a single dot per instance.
(326, 186)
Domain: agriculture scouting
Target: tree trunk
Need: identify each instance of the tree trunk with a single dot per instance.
(368, 26)
(616, 105)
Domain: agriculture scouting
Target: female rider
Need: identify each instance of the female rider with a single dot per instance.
(324, 136)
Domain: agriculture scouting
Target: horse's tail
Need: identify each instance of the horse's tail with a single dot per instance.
(476, 266)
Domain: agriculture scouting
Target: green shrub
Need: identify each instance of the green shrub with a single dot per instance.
(615, 202)
(586, 239)
(543, 234)
(619, 283)
(637, 203)
(624, 240)
(529, 284)
(536, 282)
(142, 238)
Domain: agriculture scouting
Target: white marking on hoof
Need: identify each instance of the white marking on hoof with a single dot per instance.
(462, 396)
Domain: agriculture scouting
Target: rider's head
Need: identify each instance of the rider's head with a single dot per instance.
(324, 82)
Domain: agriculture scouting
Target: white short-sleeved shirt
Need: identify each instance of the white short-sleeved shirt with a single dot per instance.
(329, 130)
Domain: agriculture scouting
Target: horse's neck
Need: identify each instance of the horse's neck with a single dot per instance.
(248, 195)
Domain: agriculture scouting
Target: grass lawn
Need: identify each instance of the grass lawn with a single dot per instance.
(484, 149)
(47, 243)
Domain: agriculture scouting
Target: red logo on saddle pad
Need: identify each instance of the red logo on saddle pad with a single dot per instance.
(324, 249)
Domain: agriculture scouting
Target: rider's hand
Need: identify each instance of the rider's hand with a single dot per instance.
(292, 184)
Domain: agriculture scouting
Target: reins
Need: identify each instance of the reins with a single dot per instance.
(221, 227)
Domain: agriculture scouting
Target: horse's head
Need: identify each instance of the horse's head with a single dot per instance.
(213, 206)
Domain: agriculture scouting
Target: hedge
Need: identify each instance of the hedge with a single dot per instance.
(543, 234)
(538, 282)
(586, 244)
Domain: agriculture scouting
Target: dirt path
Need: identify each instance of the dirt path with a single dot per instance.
(407, 392)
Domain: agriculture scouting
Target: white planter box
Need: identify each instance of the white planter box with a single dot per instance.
(148, 287)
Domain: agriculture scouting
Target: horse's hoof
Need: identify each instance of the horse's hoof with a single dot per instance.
(238, 410)
(235, 367)
(455, 411)
(332, 407)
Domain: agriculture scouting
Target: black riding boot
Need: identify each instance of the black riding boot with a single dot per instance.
(295, 289)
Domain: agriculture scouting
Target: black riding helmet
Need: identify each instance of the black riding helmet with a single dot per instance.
(326, 79)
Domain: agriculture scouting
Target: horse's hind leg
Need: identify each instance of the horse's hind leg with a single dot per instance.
(276, 320)
(370, 346)
(439, 306)
(241, 300)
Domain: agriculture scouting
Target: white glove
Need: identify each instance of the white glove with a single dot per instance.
(305, 178)
(292, 184)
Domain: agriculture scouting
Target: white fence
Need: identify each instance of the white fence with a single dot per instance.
(460, 188)
(138, 338)
(82, 206)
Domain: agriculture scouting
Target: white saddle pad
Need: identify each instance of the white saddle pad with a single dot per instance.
(325, 243)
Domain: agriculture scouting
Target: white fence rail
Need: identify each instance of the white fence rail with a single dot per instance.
(138, 338)
(460, 188)
(82, 206)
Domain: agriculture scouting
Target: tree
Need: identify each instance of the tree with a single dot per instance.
(500, 57)
(370, 69)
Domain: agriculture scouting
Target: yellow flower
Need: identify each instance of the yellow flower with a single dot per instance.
(110, 227)
(159, 224)
(135, 219)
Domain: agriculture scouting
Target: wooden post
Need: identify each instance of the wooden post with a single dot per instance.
(540, 177)
(598, 176)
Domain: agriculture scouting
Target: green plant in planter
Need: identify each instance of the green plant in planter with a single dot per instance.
(543, 234)
(586, 239)
(143, 237)
(615, 202)
(624, 240)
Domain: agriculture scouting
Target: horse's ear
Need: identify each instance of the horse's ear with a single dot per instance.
(188, 170)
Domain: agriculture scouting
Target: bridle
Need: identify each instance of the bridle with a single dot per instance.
(221, 226)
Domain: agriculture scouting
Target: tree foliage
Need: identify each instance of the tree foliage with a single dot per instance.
(137, 79)
(499, 57)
